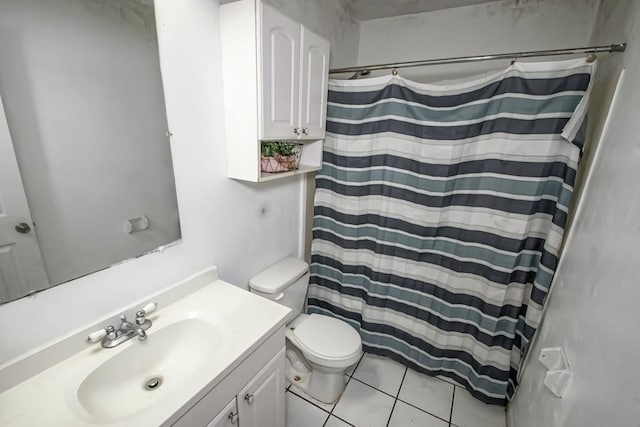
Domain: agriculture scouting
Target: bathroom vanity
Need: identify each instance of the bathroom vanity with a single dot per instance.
(214, 356)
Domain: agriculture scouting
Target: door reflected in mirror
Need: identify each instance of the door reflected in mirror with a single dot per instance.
(86, 176)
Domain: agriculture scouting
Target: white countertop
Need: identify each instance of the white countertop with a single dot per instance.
(242, 320)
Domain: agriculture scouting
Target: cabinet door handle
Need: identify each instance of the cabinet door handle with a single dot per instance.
(305, 131)
(296, 131)
(233, 417)
(249, 398)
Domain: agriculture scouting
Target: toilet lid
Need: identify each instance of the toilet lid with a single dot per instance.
(328, 337)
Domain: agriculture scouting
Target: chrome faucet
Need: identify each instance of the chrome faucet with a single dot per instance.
(112, 337)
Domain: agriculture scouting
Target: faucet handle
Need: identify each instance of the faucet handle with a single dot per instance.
(96, 336)
(140, 315)
(150, 308)
(111, 332)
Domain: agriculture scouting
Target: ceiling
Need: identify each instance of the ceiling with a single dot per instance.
(372, 9)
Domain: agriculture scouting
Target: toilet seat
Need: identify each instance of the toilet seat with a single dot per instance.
(327, 341)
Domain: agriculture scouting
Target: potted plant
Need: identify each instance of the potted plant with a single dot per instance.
(279, 156)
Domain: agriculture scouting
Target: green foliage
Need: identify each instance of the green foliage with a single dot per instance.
(272, 148)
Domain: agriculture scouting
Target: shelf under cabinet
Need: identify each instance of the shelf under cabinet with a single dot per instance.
(266, 176)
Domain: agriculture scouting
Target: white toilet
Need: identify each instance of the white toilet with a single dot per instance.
(319, 348)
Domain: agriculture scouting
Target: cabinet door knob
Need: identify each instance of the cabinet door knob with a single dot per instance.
(233, 417)
(249, 398)
(296, 131)
(305, 131)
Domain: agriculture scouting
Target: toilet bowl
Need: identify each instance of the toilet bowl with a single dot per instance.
(319, 348)
(330, 346)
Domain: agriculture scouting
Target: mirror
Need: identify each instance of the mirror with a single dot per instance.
(86, 177)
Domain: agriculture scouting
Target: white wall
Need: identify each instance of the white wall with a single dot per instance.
(593, 309)
(240, 227)
(84, 103)
(613, 25)
(505, 26)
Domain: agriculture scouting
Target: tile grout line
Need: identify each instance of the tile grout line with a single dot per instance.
(326, 420)
(308, 401)
(376, 388)
(312, 404)
(453, 398)
(397, 397)
(343, 420)
(404, 374)
(406, 403)
(422, 410)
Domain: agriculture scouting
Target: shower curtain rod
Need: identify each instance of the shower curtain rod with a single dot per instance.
(620, 47)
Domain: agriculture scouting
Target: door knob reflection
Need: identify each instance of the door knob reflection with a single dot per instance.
(23, 228)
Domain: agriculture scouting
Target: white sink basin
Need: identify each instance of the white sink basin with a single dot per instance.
(196, 340)
(170, 357)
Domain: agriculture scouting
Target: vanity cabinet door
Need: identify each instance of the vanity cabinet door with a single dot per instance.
(280, 63)
(313, 85)
(228, 417)
(261, 402)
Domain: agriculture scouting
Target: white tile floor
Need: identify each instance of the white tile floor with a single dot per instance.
(383, 393)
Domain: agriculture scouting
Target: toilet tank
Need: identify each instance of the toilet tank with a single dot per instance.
(285, 282)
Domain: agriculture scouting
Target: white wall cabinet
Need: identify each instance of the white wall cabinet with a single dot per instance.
(275, 75)
(294, 63)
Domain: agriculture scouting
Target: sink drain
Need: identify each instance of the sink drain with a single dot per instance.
(153, 383)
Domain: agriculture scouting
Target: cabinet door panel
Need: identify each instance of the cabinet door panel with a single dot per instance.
(261, 402)
(280, 65)
(228, 417)
(313, 85)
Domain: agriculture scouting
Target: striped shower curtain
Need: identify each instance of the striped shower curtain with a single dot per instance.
(439, 214)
